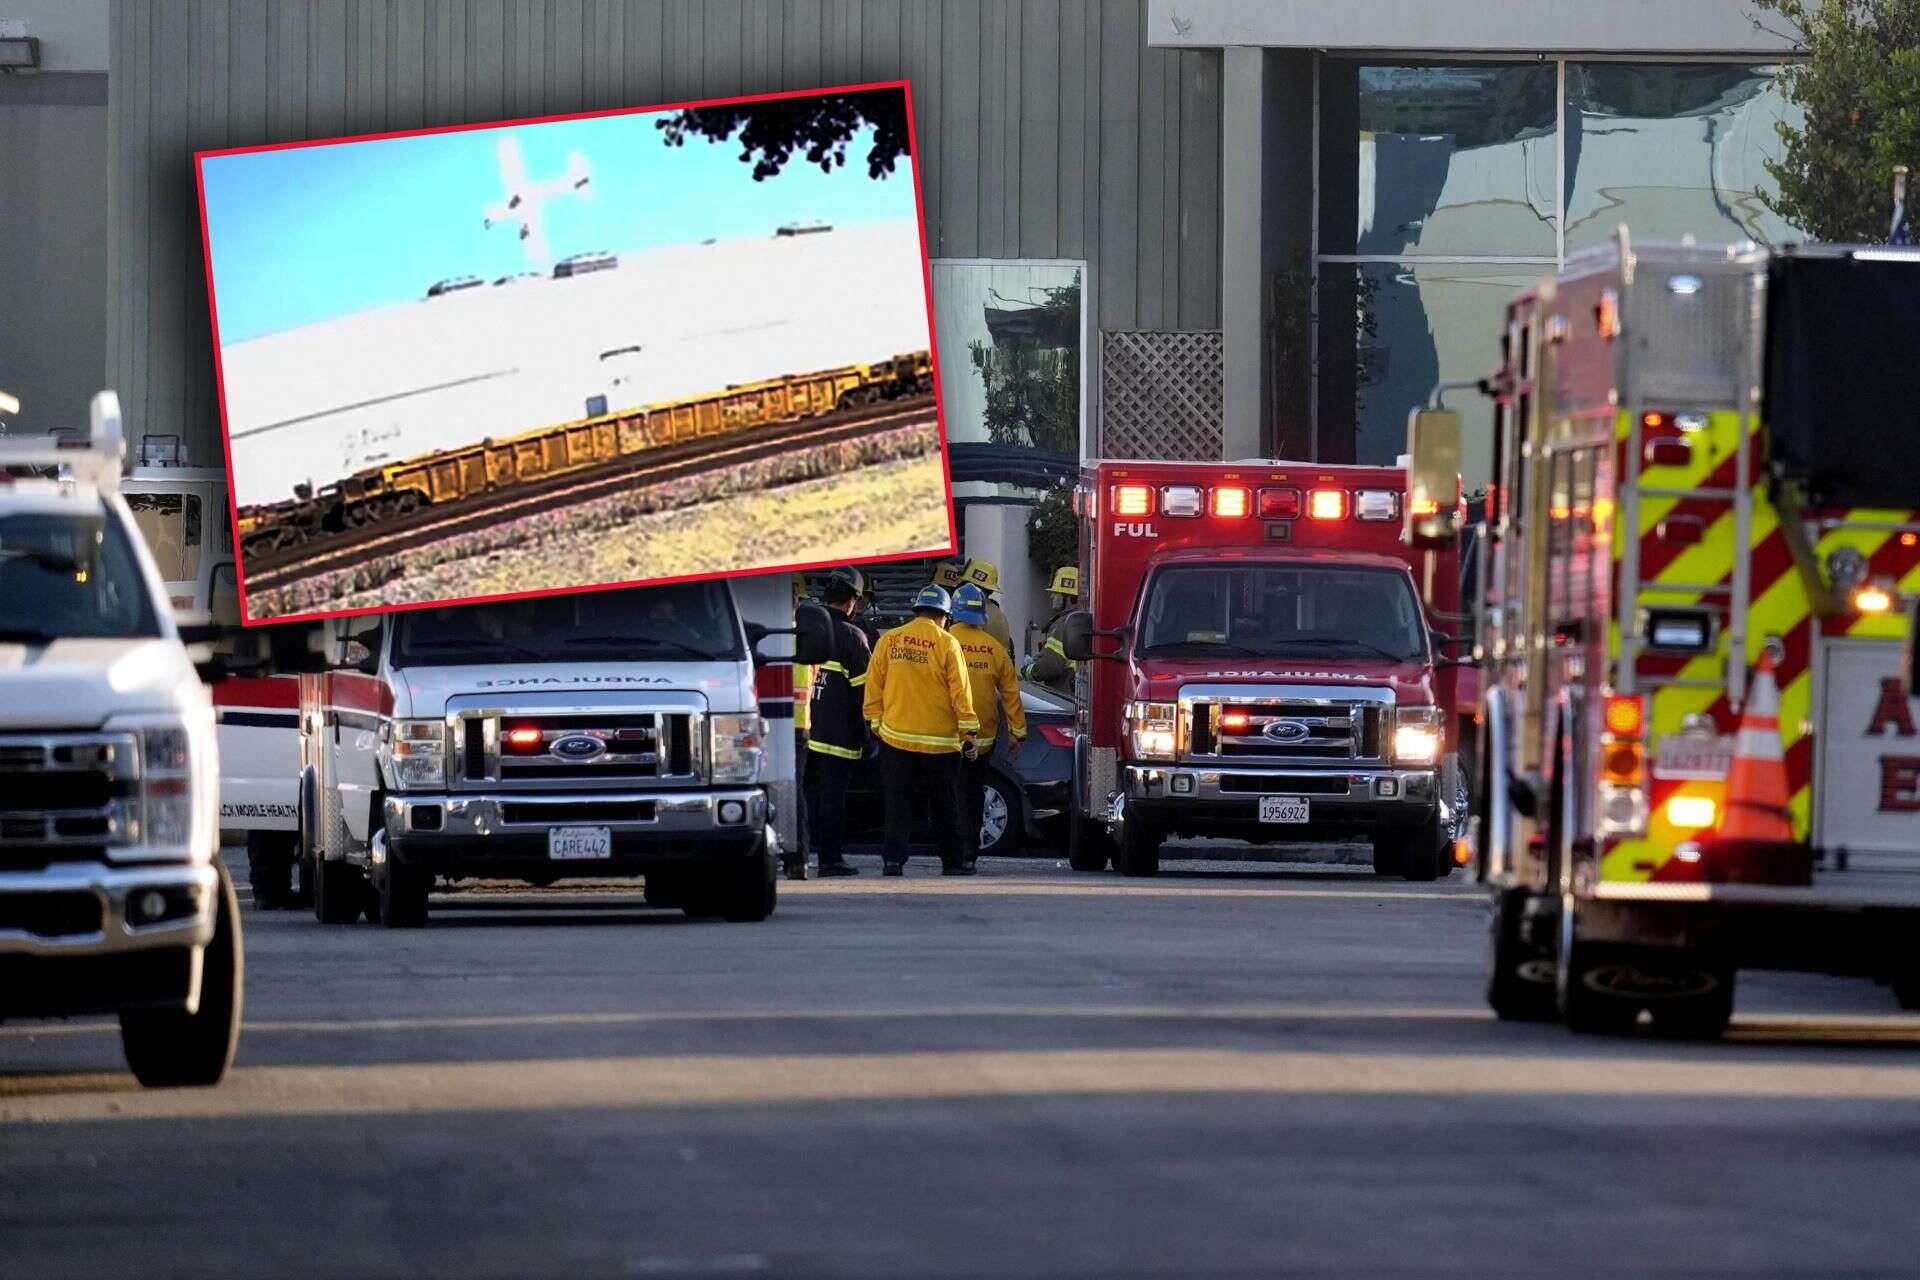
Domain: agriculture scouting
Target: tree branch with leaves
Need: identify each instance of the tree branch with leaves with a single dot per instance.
(819, 127)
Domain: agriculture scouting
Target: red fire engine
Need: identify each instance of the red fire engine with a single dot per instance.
(1257, 664)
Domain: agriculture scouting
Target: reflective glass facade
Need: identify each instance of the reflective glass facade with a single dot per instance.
(1445, 187)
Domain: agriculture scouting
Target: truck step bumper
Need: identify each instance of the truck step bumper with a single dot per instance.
(1227, 800)
(498, 834)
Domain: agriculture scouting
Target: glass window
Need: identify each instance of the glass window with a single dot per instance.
(1438, 158)
(1390, 331)
(170, 525)
(1010, 337)
(1673, 150)
(680, 620)
(224, 596)
(70, 577)
(1308, 610)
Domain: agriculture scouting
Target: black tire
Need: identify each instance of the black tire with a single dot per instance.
(1585, 1006)
(1519, 977)
(1008, 840)
(744, 893)
(270, 856)
(1701, 1017)
(1139, 851)
(1088, 846)
(339, 892)
(400, 898)
(664, 889)
(176, 1049)
(1906, 988)
(1417, 853)
(1388, 855)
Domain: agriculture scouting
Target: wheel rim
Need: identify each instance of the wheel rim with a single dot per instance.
(993, 816)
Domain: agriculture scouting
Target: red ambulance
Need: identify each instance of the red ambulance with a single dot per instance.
(1257, 664)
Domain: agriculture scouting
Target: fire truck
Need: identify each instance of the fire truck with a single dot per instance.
(1698, 750)
(1257, 664)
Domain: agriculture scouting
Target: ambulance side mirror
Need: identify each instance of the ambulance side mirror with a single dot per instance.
(1433, 478)
(1077, 637)
(294, 649)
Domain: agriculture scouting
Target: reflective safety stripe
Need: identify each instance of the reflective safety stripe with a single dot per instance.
(828, 749)
(925, 740)
(858, 680)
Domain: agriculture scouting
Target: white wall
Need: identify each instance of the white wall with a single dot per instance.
(72, 33)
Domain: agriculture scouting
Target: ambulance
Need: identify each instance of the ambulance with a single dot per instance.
(1257, 663)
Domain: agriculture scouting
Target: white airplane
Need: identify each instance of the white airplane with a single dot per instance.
(524, 198)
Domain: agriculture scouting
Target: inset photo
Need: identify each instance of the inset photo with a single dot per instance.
(548, 355)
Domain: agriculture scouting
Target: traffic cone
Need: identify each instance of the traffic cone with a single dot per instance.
(1757, 781)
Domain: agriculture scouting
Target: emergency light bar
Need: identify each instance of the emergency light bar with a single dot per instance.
(1279, 504)
(98, 458)
(1327, 504)
(1236, 502)
(1230, 502)
(1180, 500)
(1132, 500)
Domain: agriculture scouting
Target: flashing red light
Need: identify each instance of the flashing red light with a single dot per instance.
(1235, 721)
(1327, 504)
(1132, 500)
(1652, 421)
(523, 738)
(1230, 502)
(1626, 715)
(1424, 507)
(1279, 504)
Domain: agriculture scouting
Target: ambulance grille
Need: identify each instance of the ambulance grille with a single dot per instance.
(1254, 731)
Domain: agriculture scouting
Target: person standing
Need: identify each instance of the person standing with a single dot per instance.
(986, 575)
(920, 703)
(839, 729)
(994, 685)
(802, 694)
(1051, 666)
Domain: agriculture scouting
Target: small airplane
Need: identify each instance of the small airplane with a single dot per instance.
(524, 198)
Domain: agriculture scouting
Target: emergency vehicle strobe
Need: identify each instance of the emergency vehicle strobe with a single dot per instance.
(1256, 664)
(1697, 753)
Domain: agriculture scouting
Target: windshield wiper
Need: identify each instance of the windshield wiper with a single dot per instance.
(24, 635)
(1211, 646)
(480, 642)
(654, 641)
(1351, 643)
(51, 561)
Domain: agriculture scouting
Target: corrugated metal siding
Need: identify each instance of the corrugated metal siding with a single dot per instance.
(1047, 128)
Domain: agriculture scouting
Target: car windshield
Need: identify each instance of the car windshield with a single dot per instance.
(1283, 611)
(70, 577)
(688, 620)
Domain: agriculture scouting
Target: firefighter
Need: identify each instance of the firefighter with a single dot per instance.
(838, 737)
(802, 720)
(920, 703)
(986, 575)
(994, 685)
(1051, 666)
(946, 575)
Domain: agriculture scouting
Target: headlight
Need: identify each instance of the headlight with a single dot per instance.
(166, 787)
(415, 752)
(1416, 735)
(739, 747)
(1151, 726)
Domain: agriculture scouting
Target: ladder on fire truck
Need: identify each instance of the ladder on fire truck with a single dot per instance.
(1679, 387)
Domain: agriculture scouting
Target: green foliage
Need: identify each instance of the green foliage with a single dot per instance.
(1031, 375)
(1860, 88)
(820, 127)
(1053, 532)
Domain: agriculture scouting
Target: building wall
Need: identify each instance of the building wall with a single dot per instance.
(1048, 128)
(53, 206)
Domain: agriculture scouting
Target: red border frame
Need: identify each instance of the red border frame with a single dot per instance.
(926, 281)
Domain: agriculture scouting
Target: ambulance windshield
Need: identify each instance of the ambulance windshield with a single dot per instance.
(1283, 611)
(67, 577)
(688, 620)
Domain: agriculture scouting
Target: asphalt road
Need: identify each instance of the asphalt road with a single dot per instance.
(1222, 1072)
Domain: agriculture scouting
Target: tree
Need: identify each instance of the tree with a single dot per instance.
(1031, 372)
(819, 126)
(1860, 87)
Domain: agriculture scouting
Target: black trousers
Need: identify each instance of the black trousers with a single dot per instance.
(973, 782)
(827, 777)
(903, 772)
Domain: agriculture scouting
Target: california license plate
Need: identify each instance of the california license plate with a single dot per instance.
(1707, 757)
(1283, 809)
(565, 844)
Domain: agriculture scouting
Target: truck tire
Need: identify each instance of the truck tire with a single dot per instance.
(1585, 1006)
(1388, 855)
(1139, 851)
(339, 891)
(173, 1048)
(1906, 988)
(400, 895)
(743, 893)
(1699, 1017)
(1088, 846)
(1417, 853)
(1519, 977)
(270, 857)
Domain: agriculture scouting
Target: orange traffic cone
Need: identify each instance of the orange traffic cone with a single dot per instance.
(1757, 782)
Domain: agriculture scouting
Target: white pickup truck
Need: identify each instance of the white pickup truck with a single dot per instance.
(112, 897)
(602, 734)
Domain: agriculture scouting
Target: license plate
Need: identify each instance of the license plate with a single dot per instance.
(572, 843)
(1283, 809)
(1693, 756)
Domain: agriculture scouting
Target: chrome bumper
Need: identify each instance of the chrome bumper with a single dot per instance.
(112, 887)
(674, 813)
(1359, 790)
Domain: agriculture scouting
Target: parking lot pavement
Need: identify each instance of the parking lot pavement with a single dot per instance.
(1230, 1070)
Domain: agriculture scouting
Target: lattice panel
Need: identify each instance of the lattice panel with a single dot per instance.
(1160, 394)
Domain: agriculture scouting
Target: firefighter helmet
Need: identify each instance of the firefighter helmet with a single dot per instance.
(1066, 581)
(933, 596)
(985, 573)
(850, 578)
(947, 574)
(970, 604)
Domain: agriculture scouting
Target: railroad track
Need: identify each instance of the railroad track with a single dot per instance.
(650, 466)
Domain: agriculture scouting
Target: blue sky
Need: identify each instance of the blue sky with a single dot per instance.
(314, 232)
